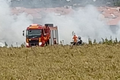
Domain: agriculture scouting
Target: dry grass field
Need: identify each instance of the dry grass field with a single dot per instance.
(87, 62)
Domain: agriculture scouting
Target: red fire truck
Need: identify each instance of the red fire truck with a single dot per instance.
(39, 35)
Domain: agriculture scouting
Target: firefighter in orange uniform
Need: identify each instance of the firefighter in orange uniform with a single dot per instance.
(75, 39)
(47, 32)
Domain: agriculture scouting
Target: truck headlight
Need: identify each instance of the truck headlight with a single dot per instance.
(27, 44)
(40, 43)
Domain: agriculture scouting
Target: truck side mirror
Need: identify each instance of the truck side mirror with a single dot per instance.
(23, 32)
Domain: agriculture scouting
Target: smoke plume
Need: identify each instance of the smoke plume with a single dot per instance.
(11, 26)
(85, 22)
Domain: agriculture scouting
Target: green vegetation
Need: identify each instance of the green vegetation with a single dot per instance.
(104, 41)
(117, 3)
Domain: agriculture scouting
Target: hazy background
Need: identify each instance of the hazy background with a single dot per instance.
(11, 26)
(60, 3)
(84, 22)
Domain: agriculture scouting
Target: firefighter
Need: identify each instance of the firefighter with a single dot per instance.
(54, 39)
(79, 41)
(47, 32)
(47, 29)
(75, 39)
(45, 39)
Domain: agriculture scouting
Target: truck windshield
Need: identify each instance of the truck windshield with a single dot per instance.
(34, 33)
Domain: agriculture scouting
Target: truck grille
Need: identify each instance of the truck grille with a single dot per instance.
(33, 43)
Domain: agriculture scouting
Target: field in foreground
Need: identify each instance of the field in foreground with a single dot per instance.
(96, 62)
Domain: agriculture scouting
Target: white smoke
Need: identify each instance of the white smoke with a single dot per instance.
(11, 26)
(84, 22)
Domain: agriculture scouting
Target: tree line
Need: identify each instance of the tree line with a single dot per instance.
(60, 3)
